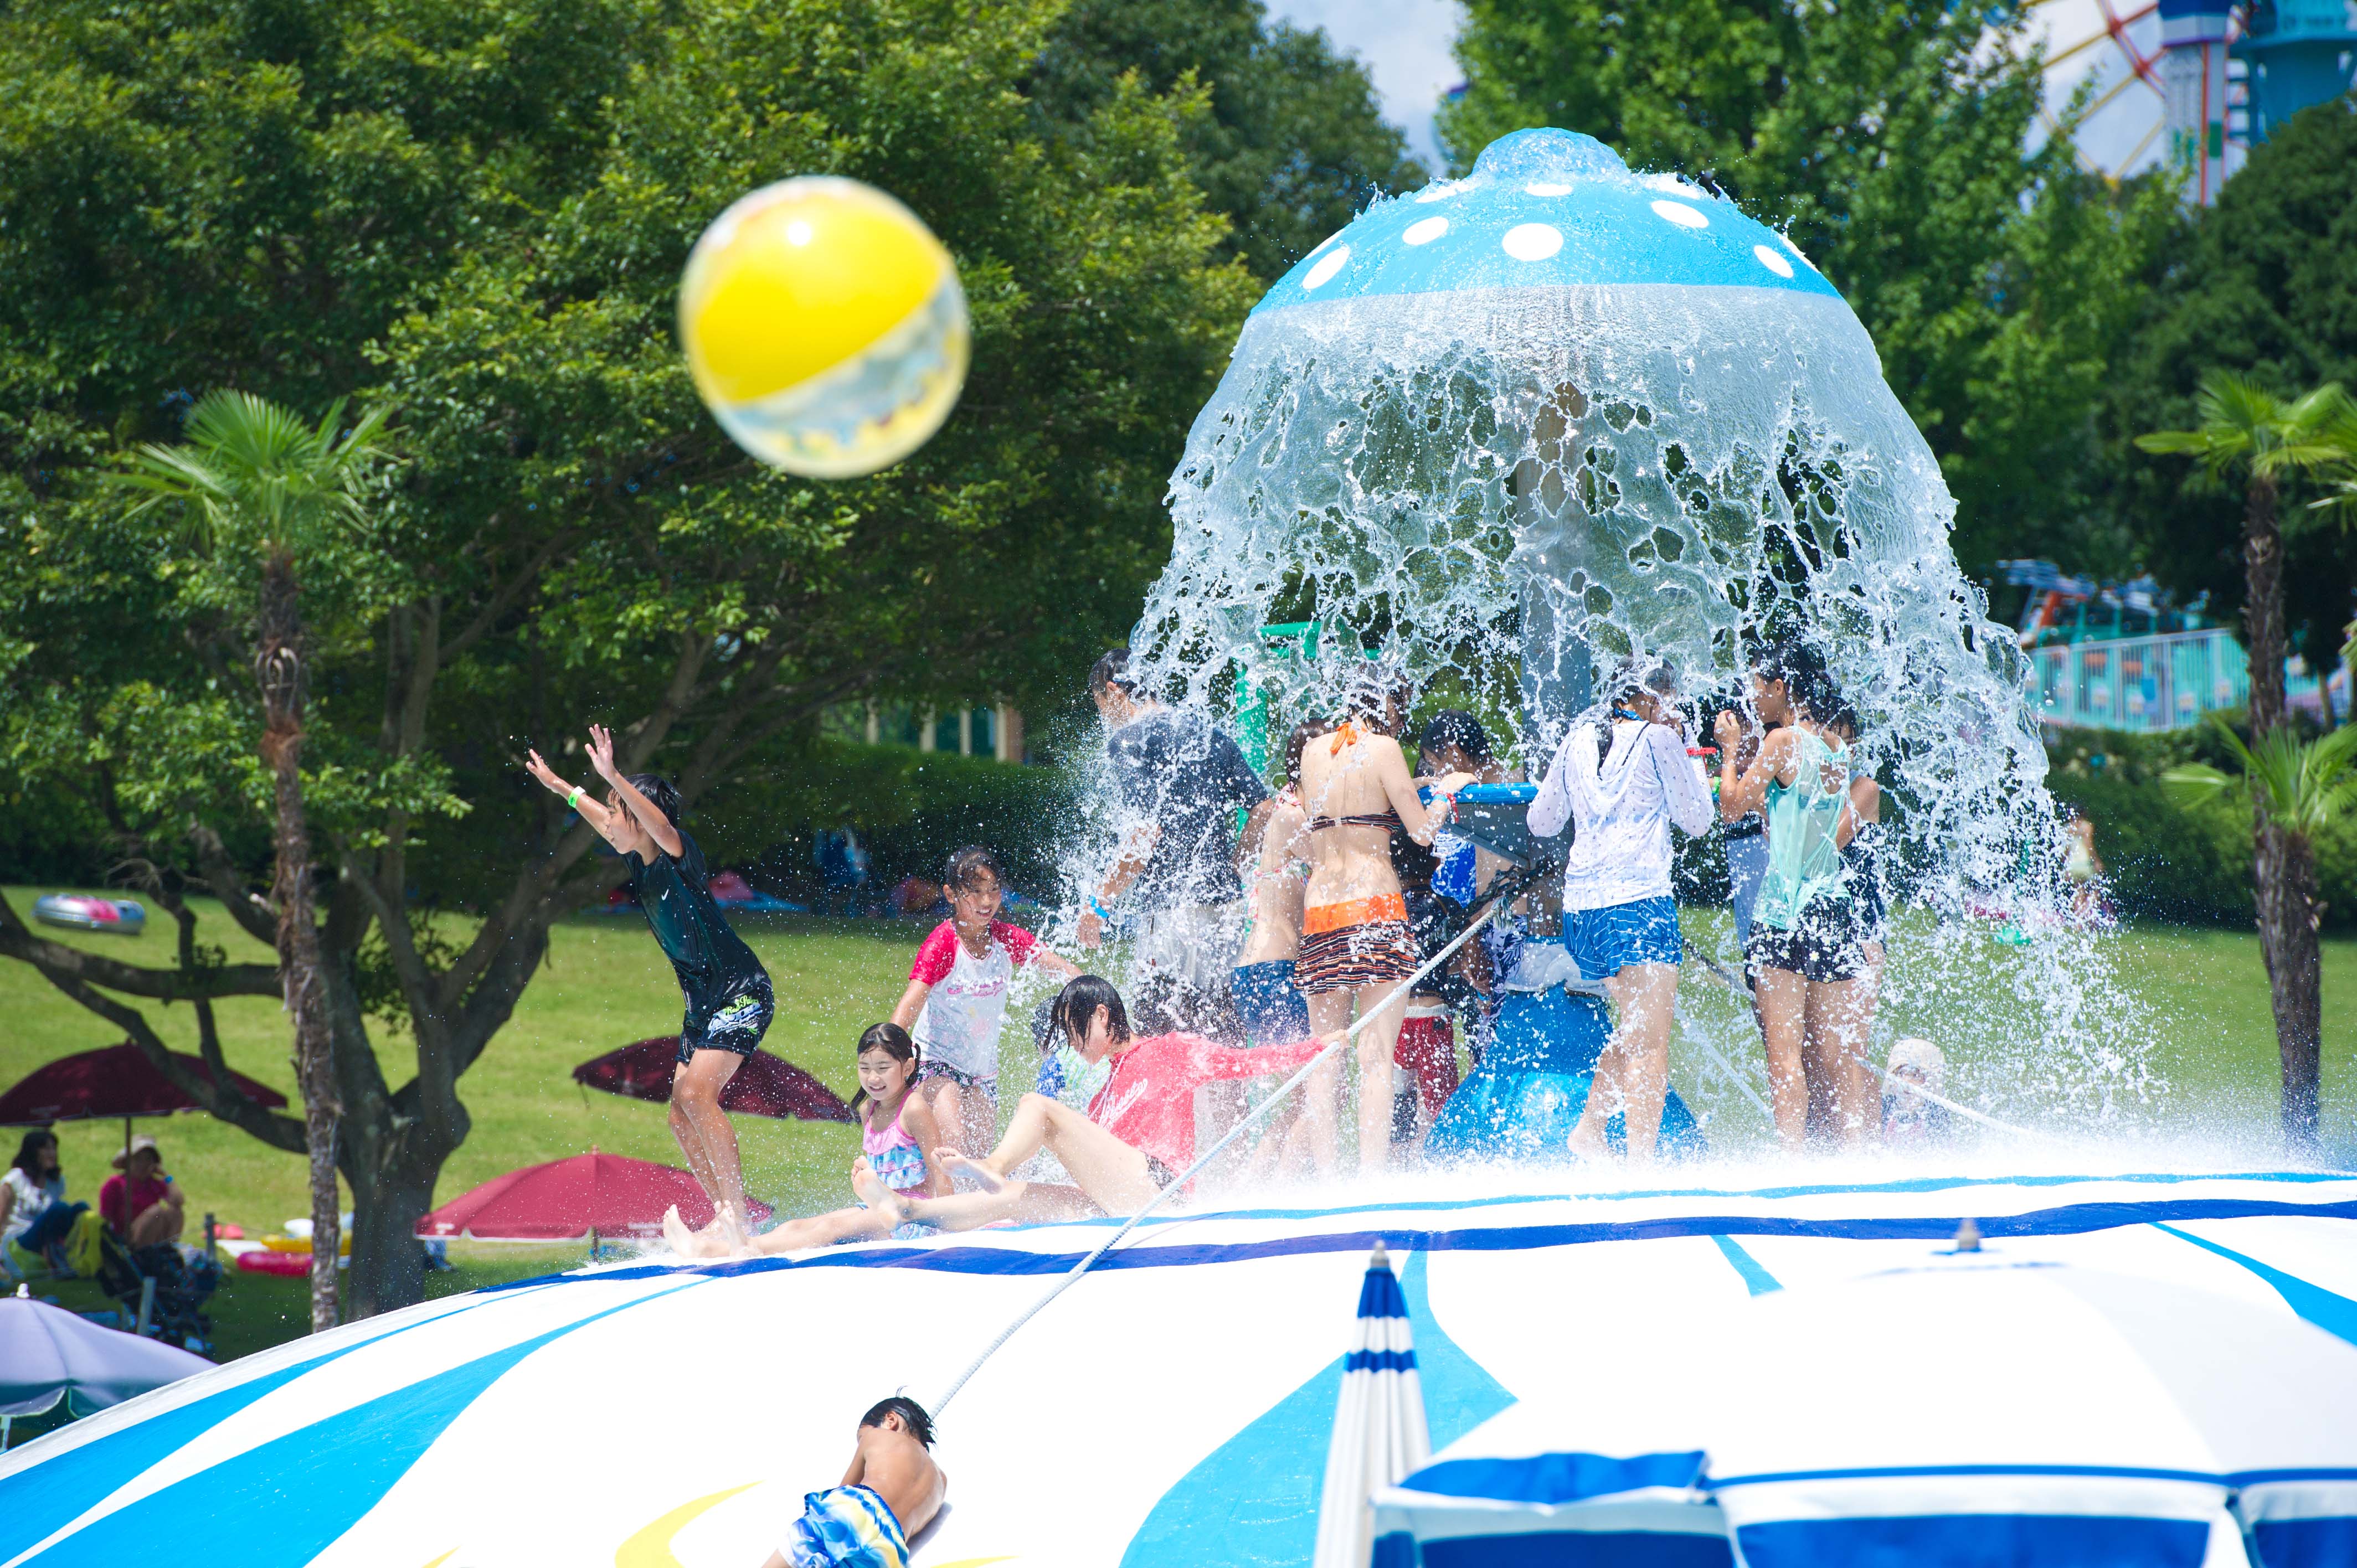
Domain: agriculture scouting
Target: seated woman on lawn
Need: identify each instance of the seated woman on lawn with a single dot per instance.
(1136, 1136)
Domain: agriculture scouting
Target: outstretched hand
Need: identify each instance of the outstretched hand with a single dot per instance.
(601, 753)
(542, 771)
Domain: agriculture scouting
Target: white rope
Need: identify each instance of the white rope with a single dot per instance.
(1734, 1074)
(1718, 971)
(1246, 1120)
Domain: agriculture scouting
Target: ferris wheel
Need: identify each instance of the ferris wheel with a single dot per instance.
(2165, 86)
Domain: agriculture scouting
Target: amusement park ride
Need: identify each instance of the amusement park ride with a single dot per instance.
(2207, 78)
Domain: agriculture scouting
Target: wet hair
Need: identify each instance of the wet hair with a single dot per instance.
(965, 864)
(1635, 674)
(1112, 672)
(1456, 727)
(1044, 1025)
(1078, 1003)
(894, 1042)
(1368, 688)
(911, 1414)
(1802, 671)
(661, 793)
(29, 1151)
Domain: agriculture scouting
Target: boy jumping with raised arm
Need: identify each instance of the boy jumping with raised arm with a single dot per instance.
(729, 1004)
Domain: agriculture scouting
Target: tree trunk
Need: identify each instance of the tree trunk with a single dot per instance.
(2289, 918)
(2263, 604)
(2283, 864)
(278, 665)
(388, 1261)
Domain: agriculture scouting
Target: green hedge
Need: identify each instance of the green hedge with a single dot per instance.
(2172, 862)
(911, 809)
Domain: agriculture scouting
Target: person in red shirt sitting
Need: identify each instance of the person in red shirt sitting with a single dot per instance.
(142, 1205)
(1137, 1137)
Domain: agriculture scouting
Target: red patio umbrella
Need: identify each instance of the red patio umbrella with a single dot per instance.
(118, 1081)
(590, 1195)
(764, 1086)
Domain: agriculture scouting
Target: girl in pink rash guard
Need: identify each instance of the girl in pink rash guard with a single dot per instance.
(957, 998)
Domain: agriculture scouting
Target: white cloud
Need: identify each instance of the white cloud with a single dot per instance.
(1404, 45)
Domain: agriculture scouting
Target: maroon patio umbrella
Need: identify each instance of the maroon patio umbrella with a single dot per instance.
(590, 1195)
(119, 1080)
(764, 1086)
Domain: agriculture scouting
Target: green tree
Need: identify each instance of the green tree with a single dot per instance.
(260, 490)
(1887, 139)
(2260, 285)
(476, 213)
(2297, 789)
(1294, 146)
(2247, 430)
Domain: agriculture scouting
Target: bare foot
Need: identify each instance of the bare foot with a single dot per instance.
(679, 1238)
(725, 1235)
(956, 1164)
(1587, 1144)
(875, 1194)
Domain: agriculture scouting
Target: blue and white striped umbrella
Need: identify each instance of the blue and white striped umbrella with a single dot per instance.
(1379, 1431)
(1967, 1417)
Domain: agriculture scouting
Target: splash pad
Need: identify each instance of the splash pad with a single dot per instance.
(1507, 428)
(1170, 1411)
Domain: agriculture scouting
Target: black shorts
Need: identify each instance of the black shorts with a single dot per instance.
(1825, 945)
(736, 1023)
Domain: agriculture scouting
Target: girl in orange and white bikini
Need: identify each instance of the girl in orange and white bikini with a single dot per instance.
(1356, 946)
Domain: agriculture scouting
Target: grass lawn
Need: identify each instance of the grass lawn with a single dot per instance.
(606, 984)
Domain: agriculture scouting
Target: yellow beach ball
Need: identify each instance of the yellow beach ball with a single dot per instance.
(824, 326)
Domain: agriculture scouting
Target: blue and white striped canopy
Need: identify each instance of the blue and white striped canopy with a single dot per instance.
(1380, 1433)
(1985, 1412)
(1174, 1409)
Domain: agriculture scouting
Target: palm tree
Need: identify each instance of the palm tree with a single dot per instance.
(2297, 787)
(258, 484)
(2244, 427)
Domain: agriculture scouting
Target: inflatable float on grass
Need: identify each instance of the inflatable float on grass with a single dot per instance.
(1172, 1408)
(81, 912)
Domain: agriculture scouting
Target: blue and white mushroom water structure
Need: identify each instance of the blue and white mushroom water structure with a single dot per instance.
(1513, 424)
(1517, 424)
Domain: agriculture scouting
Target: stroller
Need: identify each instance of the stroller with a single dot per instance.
(175, 1311)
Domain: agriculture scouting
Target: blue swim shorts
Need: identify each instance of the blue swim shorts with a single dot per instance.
(1272, 1010)
(1603, 942)
(847, 1527)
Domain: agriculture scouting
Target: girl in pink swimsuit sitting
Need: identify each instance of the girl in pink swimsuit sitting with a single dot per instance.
(898, 1137)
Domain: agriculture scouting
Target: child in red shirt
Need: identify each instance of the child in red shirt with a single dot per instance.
(1137, 1137)
(957, 997)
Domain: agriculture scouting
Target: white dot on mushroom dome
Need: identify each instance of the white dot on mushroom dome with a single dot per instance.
(1435, 193)
(1772, 262)
(1679, 213)
(1533, 242)
(1326, 269)
(1425, 233)
(1324, 242)
(1548, 189)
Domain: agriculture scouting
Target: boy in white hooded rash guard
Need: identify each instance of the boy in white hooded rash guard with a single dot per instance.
(1620, 921)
